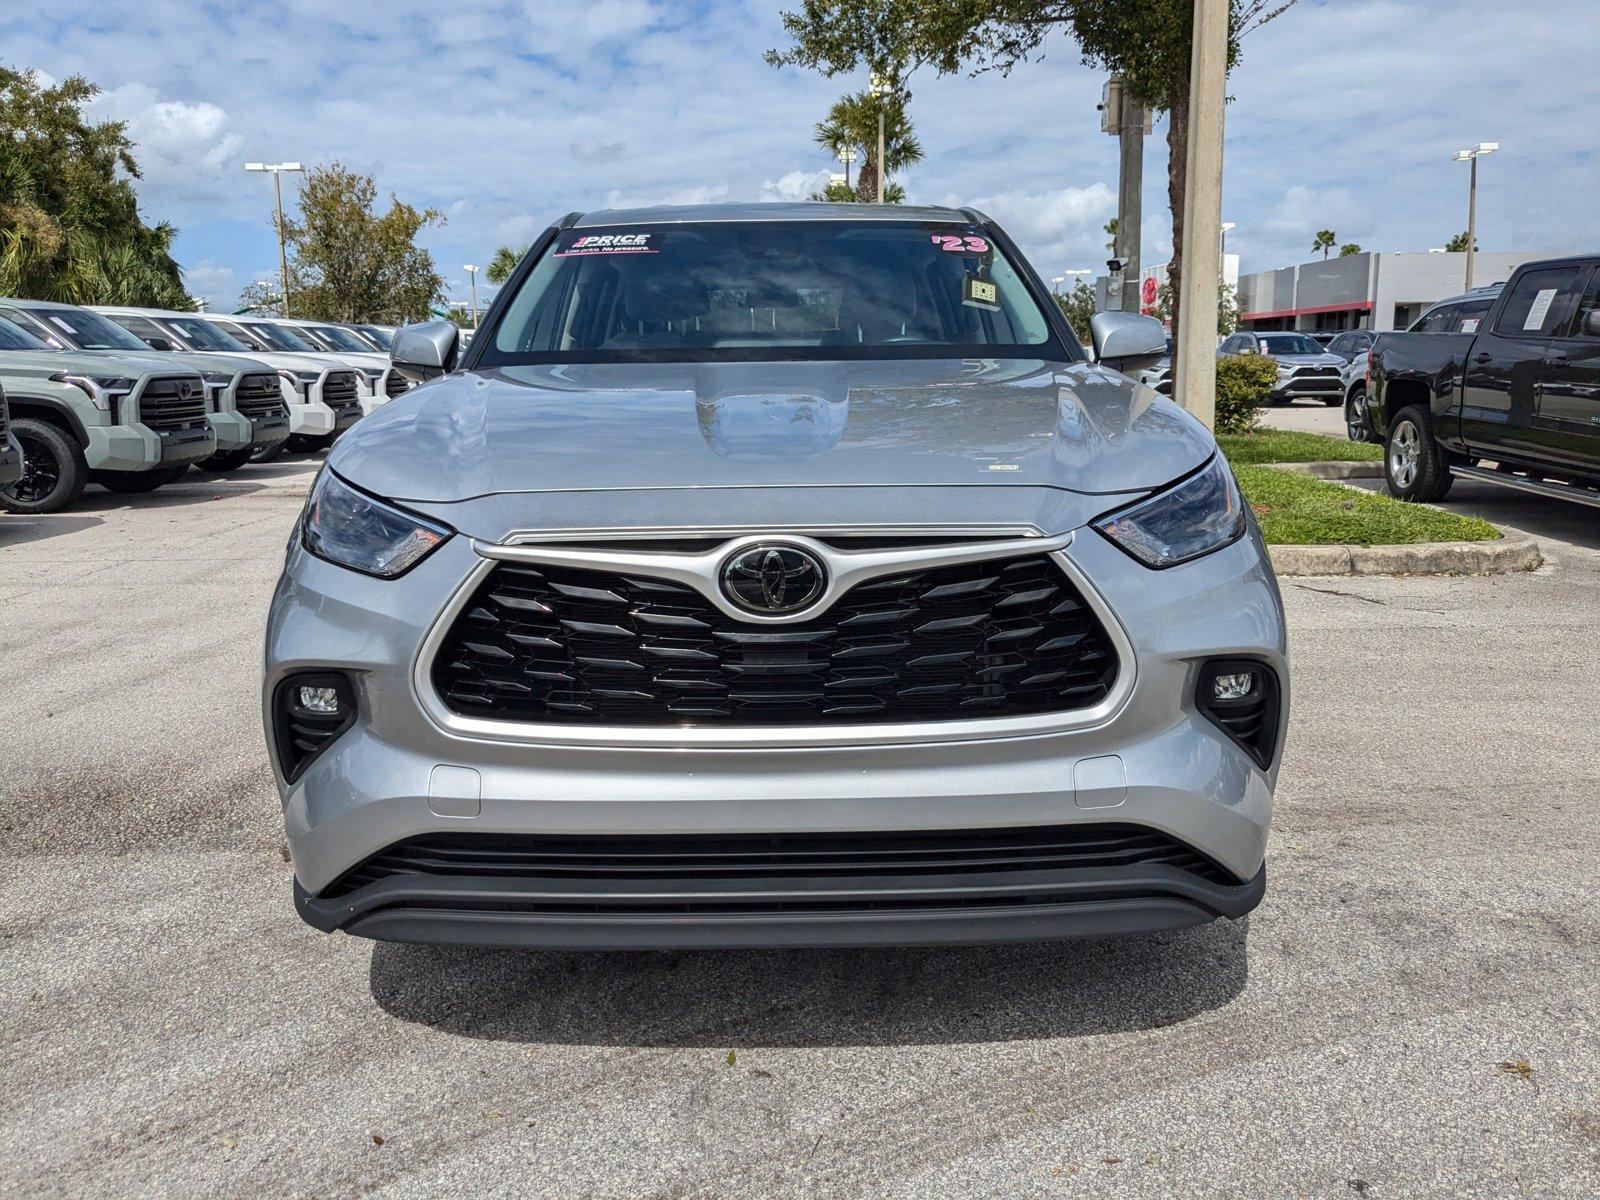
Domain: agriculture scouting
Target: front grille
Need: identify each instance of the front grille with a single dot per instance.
(1316, 372)
(5, 414)
(567, 646)
(259, 396)
(340, 391)
(394, 384)
(173, 403)
(669, 862)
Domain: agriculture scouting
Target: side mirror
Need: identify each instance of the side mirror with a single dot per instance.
(1126, 341)
(1591, 323)
(426, 351)
(160, 343)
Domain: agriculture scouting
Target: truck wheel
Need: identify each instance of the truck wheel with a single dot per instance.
(1414, 463)
(53, 471)
(225, 461)
(136, 483)
(266, 451)
(306, 443)
(1355, 416)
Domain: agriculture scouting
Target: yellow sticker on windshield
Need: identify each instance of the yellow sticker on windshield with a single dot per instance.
(980, 292)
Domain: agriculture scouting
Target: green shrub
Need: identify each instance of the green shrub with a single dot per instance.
(1244, 384)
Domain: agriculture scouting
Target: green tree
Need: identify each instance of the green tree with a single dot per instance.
(261, 298)
(1349, 249)
(1147, 43)
(1324, 241)
(351, 263)
(852, 123)
(1228, 309)
(1458, 244)
(69, 219)
(504, 262)
(1111, 233)
(1078, 307)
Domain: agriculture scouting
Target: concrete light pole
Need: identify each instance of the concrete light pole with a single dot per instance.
(1196, 384)
(1124, 116)
(882, 89)
(473, 272)
(847, 155)
(1472, 156)
(277, 170)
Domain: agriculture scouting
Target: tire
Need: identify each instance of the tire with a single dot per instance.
(136, 483)
(227, 460)
(1332, 401)
(1414, 464)
(54, 473)
(267, 451)
(1356, 424)
(305, 443)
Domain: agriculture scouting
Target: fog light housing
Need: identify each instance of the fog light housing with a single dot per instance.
(1242, 698)
(309, 712)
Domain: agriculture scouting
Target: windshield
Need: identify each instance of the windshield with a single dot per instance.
(341, 339)
(202, 335)
(379, 338)
(15, 337)
(279, 338)
(86, 330)
(1289, 343)
(771, 290)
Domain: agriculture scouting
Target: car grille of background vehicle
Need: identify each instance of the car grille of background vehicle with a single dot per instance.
(163, 404)
(993, 638)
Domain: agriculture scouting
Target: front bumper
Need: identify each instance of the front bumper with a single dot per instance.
(397, 774)
(311, 418)
(10, 460)
(140, 448)
(232, 429)
(1321, 387)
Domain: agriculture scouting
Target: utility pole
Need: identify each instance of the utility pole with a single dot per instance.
(881, 89)
(1472, 156)
(277, 170)
(472, 271)
(1196, 384)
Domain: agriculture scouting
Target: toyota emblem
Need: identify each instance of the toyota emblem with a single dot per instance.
(771, 580)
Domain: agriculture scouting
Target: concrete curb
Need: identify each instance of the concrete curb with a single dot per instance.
(1511, 553)
(1333, 470)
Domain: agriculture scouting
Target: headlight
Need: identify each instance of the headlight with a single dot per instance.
(363, 533)
(103, 390)
(216, 383)
(1202, 513)
(300, 381)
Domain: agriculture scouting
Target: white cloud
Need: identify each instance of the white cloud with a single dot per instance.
(794, 185)
(188, 145)
(216, 286)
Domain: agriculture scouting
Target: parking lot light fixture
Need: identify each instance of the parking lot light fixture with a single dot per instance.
(277, 170)
(1471, 156)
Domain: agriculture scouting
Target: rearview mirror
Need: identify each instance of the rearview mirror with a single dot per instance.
(1126, 341)
(1591, 323)
(159, 343)
(425, 351)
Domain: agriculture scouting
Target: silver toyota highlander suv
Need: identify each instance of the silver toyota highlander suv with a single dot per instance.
(775, 575)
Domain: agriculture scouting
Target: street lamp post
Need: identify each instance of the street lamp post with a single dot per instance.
(472, 271)
(1472, 156)
(847, 155)
(881, 88)
(277, 170)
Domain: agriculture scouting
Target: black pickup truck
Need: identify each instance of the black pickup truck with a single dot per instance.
(1516, 401)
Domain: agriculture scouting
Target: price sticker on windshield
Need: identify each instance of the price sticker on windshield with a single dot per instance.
(951, 244)
(980, 293)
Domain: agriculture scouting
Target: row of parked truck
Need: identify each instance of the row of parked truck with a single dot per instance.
(131, 398)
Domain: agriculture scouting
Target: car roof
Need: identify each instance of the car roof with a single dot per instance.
(673, 214)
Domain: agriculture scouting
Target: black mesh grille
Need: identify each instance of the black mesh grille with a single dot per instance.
(340, 391)
(394, 384)
(791, 857)
(259, 396)
(984, 639)
(173, 403)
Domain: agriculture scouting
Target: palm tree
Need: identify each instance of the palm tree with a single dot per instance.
(504, 262)
(853, 122)
(1325, 240)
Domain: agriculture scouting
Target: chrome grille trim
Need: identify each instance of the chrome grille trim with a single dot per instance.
(855, 566)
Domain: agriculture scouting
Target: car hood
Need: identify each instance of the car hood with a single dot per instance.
(945, 423)
(41, 364)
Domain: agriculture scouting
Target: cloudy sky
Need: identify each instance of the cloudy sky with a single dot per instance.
(505, 114)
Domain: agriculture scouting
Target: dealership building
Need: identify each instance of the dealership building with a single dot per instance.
(1367, 290)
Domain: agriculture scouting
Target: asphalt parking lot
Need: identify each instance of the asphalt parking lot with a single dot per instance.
(1414, 1010)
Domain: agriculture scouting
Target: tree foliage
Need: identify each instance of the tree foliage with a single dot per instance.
(69, 219)
(1459, 243)
(261, 298)
(1324, 240)
(1078, 307)
(1147, 43)
(1349, 249)
(1244, 384)
(504, 262)
(852, 124)
(351, 263)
